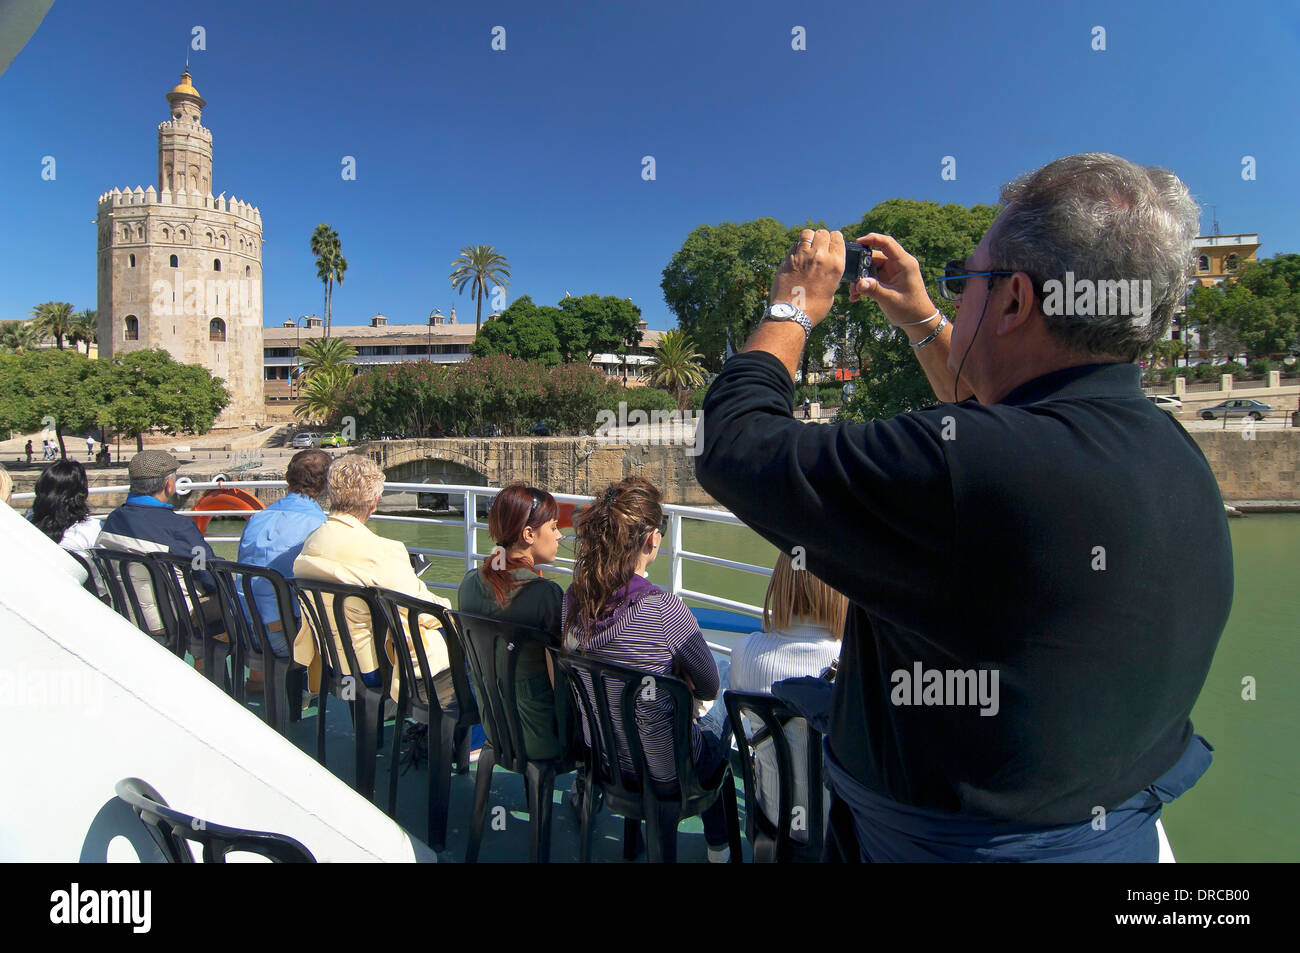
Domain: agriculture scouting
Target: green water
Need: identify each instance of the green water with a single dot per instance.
(1246, 806)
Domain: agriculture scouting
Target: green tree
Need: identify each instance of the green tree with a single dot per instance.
(892, 381)
(84, 330)
(610, 324)
(325, 354)
(148, 390)
(330, 265)
(322, 393)
(61, 389)
(478, 266)
(19, 336)
(522, 330)
(55, 319)
(675, 366)
(717, 284)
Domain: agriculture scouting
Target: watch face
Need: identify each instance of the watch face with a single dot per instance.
(782, 310)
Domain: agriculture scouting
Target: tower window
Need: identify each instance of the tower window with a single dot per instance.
(175, 262)
(132, 261)
(209, 238)
(216, 264)
(216, 330)
(1203, 263)
(248, 271)
(131, 328)
(1230, 263)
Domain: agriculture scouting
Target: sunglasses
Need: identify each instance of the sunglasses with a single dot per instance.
(953, 282)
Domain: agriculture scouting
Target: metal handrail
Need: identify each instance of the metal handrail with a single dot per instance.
(678, 555)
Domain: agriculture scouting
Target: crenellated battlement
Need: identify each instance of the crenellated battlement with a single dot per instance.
(183, 125)
(118, 198)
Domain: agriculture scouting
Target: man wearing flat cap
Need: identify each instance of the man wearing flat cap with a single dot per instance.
(148, 523)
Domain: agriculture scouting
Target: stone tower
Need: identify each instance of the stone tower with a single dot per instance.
(181, 270)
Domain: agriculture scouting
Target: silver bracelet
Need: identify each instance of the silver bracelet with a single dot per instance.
(943, 323)
(912, 324)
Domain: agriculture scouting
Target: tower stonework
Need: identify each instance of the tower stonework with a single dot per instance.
(181, 270)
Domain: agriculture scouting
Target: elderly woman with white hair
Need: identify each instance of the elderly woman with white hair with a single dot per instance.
(344, 550)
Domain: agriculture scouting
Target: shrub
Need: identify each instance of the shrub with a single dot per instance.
(1261, 367)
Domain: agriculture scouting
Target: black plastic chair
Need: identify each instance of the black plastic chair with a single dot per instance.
(771, 838)
(250, 638)
(492, 648)
(180, 593)
(134, 581)
(323, 607)
(635, 796)
(449, 728)
(94, 577)
(170, 829)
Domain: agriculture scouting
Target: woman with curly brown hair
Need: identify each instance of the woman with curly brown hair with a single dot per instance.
(613, 613)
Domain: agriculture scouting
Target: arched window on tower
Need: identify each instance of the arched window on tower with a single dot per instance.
(182, 235)
(248, 271)
(175, 262)
(132, 261)
(1203, 263)
(216, 330)
(131, 328)
(1230, 263)
(216, 264)
(166, 233)
(210, 236)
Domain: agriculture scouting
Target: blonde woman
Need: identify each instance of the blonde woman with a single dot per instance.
(344, 550)
(803, 622)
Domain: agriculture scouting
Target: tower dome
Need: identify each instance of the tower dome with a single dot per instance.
(184, 90)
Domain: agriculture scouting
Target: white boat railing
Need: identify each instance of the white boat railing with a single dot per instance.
(468, 522)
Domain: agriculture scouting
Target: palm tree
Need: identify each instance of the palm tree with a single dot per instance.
(330, 264)
(478, 266)
(19, 336)
(674, 365)
(322, 392)
(324, 355)
(84, 330)
(54, 318)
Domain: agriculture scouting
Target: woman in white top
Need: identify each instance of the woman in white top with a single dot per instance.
(803, 622)
(60, 509)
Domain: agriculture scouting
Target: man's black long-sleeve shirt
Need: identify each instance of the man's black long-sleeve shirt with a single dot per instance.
(1070, 538)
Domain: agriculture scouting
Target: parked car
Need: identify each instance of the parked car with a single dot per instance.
(333, 440)
(1171, 404)
(543, 429)
(1253, 409)
(305, 441)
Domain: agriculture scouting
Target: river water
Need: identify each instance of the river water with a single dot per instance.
(1246, 808)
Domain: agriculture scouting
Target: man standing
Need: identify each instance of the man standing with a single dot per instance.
(90, 446)
(1020, 656)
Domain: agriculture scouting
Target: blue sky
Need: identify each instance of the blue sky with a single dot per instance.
(537, 150)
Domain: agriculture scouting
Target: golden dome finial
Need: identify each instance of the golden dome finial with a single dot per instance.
(185, 88)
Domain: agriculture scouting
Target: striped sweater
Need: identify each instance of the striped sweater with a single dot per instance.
(653, 631)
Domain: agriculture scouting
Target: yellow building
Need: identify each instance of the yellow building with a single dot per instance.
(1216, 258)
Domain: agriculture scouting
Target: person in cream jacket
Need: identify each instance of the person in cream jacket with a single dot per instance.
(344, 550)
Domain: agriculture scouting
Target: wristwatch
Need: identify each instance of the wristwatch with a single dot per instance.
(785, 311)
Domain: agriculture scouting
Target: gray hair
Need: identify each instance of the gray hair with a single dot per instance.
(1104, 219)
(355, 482)
(149, 486)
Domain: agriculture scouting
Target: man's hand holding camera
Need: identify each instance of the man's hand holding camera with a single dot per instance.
(814, 269)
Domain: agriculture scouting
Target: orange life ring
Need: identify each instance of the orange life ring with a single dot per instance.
(224, 498)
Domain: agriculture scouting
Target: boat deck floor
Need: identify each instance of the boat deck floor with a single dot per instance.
(507, 840)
